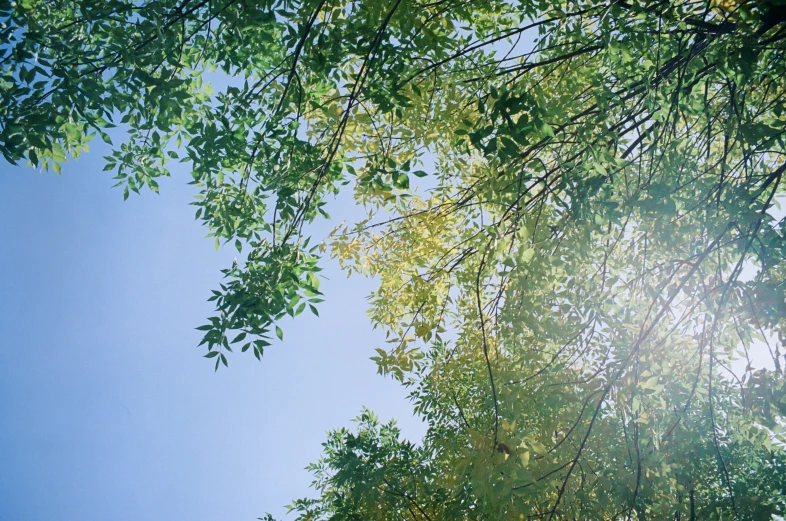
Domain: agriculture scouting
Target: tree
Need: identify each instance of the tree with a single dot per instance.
(578, 300)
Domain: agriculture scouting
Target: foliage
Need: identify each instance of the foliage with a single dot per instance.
(581, 298)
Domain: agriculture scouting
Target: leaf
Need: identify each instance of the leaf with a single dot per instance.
(279, 333)
(650, 383)
(539, 448)
(401, 180)
(524, 458)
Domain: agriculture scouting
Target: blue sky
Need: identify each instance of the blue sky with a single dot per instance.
(108, 409)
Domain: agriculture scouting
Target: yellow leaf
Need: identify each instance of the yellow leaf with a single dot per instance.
(524, 457)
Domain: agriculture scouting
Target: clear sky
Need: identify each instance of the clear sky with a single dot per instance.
(108, 411)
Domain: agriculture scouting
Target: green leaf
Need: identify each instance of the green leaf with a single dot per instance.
(401, 180)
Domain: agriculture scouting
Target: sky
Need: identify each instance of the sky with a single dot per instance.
(109, 411)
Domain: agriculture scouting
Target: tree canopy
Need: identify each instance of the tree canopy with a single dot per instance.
(572, 222)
